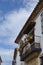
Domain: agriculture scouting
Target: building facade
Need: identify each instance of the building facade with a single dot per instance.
(16, 58)
(30, 38)
(0, 60)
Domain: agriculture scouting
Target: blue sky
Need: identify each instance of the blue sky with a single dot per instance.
(13, 15)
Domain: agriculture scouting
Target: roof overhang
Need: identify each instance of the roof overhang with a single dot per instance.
(36, 10)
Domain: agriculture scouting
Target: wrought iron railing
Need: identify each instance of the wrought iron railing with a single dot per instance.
(33, 46)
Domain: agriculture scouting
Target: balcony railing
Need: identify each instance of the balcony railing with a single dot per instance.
(26, 50)
(25, 42)
(35, 47)
(35, 44)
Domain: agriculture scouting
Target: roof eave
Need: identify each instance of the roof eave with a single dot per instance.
(36, 10)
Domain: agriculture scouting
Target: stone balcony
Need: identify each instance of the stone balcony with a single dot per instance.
(35, 48)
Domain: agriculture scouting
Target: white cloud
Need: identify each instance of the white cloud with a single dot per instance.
(9, 30)
(5, 51)
(30, 4)
(7, 55)
(10, 26)
(13, 23)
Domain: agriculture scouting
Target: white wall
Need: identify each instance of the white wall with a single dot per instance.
(18, 59)
(38, 31)
(18, 62)
(38, 26)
